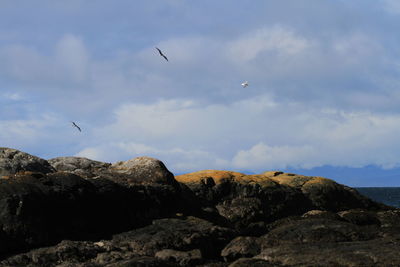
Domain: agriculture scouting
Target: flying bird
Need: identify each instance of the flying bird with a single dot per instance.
(77, 127)
(245, 84)
(161, 53)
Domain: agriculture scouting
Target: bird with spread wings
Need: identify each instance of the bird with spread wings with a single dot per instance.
(77, 127)
(161, 53)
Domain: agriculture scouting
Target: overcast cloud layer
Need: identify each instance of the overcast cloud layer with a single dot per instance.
(323, 78)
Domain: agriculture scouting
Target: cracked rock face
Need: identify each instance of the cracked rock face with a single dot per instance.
(13, 161)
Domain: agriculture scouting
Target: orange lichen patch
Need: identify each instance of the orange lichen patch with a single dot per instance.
(216, 175)
(320, 180)
(256, 179)
(272, 173)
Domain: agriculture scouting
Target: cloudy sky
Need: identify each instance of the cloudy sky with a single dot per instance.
(323, 94)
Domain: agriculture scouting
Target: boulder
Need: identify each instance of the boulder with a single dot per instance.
(360, 217)
(326, 194)
(321, 214)
(42, 209)
(67, 252)
(241, 247)
(13, 161)
(81, 166)
(183, 258)
(144, 170)
(244, 199)
(371, 253)
(315, 231)
(182, 234)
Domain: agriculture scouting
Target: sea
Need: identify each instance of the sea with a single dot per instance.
(386, 195)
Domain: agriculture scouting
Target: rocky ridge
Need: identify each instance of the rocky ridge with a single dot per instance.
(71, 211)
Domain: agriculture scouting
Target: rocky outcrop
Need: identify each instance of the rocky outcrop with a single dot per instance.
(41, 209)
(13, 161)
(144, 170)
(81, 166)
(244, 199)
(80, 212)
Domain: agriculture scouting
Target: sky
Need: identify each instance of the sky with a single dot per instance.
(323, 96)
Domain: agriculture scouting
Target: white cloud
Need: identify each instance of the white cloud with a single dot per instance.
(19, 132)
(262, 156)
(275, 39)
(254, 134)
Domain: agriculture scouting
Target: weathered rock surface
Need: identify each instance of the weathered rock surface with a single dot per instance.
(144, 170)
(40, 209)
(183, 258)
(241, 247)
(378, 252)
(179, 234)
(13, 161)
(84, 167)
(80, 212)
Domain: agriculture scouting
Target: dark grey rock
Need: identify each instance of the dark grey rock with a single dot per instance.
(81, 166)
(315, 231)
(359, 217)
(371, 253)
(13, 161)
(247, 262)
(183, 258)
(321, 214)
(179, 234)
(241, 247)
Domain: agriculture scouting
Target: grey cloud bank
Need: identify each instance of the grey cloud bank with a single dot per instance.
(323, 82)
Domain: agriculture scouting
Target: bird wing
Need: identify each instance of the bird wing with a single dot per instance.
(161, 53)
(73, 123)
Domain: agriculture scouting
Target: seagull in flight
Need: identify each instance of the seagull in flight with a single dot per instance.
(77, 127)
(161, 53)
(245, 84)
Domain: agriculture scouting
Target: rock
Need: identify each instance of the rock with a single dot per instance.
(376, 252)
(42, 209)
(359, 217)
(141, 261)
(144, 170)
(181, 234)
(81, 166)
(321, 214)
(135, 213)
(241, 247)
(244, 199)
(315, 231)
(326, 194)
(71, 252)
(241, 211)
(183, 258)
(246, 262)
(13, 161)
(390, 218)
